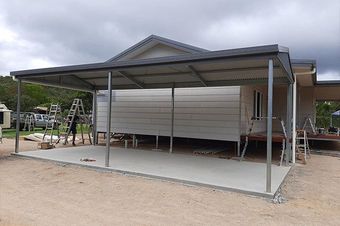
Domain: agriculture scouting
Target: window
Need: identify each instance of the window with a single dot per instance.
(1, 118)
(258, 101)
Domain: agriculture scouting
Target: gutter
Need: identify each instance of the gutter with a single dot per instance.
(306, 73)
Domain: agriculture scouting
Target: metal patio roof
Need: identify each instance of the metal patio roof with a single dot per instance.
(243, 66)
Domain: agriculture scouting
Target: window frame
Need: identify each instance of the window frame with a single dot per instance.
(257, 105)
(2, 118)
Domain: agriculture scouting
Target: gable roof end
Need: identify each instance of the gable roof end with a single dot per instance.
(162, 40)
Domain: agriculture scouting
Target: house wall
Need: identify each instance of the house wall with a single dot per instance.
(204, 113)
(247, 105)
(327, 93)
(305, 105)
(7, 120)
(306, 102)
(279, 107)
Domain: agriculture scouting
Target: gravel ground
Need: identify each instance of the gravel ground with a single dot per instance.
(34, 192)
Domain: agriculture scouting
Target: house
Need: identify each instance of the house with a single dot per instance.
(5, 117)
(216, 113)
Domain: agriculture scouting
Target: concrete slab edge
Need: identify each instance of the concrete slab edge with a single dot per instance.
(283, 181)
(168, 179)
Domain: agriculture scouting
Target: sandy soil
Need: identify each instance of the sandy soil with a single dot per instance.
(7, 146)
(34, 192)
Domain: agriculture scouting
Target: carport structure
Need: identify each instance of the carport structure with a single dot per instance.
(236, 67)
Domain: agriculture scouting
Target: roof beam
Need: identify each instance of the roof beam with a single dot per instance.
(197, 75)
(131, 79)
(263, 81)
(60, 85)
(284, 61)
(236, 70)
(84, 82)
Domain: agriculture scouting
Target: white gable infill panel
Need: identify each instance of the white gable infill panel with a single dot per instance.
(159, 50)
(203, 113)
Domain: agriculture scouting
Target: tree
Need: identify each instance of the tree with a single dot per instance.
(324, 110)
(33, 95)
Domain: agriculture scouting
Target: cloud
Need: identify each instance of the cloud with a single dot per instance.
(329, 75)
(47, 33)
(16, 51)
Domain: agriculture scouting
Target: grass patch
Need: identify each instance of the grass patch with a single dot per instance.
(10, 133)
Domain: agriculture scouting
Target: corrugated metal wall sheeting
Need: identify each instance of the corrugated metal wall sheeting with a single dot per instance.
(205, 113)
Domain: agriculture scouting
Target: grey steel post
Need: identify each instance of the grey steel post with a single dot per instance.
(269, 126)
(289, 122)
(94, 117)
(156, 142)
(172, 117)
(294, 121)
(133, 141)
(108, 125)
(18, 116)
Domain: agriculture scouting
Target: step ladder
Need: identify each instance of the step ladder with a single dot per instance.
(29, 123)
(250, 131)
(309, 123)
(247, 140)
(52, 122)
(302, 145)
(77, 108)
(283, 151)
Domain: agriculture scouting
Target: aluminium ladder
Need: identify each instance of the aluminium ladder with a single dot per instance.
(309, 121)
(77, 107)
(247, 140)
(302, 145)
(250, 131)
(283, 152)
(29, 123)
(52, 123)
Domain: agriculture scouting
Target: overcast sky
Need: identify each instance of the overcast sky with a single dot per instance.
(44, 33)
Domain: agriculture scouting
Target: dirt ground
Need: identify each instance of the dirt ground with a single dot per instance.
(34, 192)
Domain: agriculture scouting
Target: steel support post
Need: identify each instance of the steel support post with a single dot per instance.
(18, 117)
(289, 123)
(94, 117)
(269, 126)
(172, 118)
(294, 121)
(156, 142)
(108, 125)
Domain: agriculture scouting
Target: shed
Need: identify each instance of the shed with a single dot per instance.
(5, 117)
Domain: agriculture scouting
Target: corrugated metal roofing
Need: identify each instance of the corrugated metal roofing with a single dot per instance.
(218, 68)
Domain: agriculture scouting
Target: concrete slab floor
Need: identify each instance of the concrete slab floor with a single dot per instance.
(245, 177)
